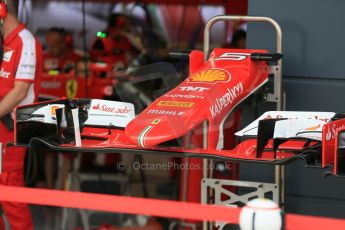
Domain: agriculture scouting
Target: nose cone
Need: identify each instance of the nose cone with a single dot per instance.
(150, 131)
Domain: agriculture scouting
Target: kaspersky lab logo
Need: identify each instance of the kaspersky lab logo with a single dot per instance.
(210, 76)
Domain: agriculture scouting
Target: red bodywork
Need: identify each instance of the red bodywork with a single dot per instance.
(210, 93)
(331, 154)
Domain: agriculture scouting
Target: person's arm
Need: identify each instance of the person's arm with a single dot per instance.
(24, 76)
(14, 97)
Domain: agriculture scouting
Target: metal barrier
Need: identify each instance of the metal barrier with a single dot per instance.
(152, 207)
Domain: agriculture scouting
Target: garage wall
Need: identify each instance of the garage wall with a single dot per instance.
(46, 14)
(314, 79)
(313, 34)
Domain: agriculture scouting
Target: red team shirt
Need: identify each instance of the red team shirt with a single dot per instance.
(60, 63)
(22, 61)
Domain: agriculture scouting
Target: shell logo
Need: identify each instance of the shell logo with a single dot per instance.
(53, 110)
(313, 128)
(210, 76)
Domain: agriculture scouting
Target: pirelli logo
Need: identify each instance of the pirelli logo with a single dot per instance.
(176, 104)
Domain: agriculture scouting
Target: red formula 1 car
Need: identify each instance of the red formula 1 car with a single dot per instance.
(209, 94)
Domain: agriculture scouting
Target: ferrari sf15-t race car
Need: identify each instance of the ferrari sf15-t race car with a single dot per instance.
(201, 103)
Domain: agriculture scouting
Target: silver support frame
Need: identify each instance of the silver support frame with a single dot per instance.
(258, 190)
(277, 77)
(277, 94)
(205, 163)
(261, 190)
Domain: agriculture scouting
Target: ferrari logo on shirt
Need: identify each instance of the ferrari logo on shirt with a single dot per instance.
(71, 88)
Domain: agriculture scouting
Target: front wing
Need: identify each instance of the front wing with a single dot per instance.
(32, 129)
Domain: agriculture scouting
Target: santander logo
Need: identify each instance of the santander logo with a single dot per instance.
(108, 109)
(332, 131)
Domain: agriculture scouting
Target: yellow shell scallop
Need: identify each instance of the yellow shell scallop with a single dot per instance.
(210, 76)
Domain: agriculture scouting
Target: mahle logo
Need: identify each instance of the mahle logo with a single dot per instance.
(210, 76)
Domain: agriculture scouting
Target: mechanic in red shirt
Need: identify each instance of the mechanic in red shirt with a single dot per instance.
(59, 54)
(20, 74)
